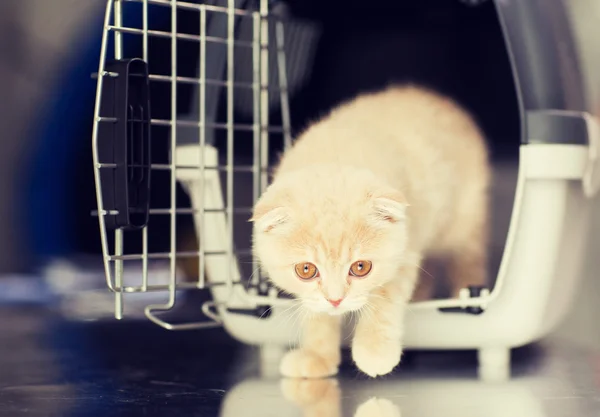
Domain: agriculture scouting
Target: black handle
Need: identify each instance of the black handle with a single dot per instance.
(261, 312)
(474, 292)
(124, 144)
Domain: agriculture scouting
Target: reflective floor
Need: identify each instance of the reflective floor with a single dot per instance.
(50, 367)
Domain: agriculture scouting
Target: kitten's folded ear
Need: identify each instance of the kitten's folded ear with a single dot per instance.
(389, 205)
(269, 213)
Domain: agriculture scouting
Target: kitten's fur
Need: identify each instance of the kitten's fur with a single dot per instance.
(390, 177)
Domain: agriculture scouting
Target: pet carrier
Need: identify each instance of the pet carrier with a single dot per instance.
(242, 69)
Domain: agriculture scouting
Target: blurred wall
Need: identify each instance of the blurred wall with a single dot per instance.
(581, 325)
(35, 37)
(585, 16)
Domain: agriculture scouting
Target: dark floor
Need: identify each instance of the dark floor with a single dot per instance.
(50, 367)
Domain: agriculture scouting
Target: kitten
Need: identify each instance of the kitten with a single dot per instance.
(359, 200)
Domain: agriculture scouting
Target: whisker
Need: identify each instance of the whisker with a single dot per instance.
(295, 304)
(253, 273)
(371, 312)
(300, 317)
(268, 310)
(352, 317)
(288, 317)
(426, 272)
(421, 268)
(293, 319)
(356, 320)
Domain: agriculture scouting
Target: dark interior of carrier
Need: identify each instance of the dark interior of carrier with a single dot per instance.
(455, 47)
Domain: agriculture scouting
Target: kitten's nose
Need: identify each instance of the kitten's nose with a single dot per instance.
(335, 303)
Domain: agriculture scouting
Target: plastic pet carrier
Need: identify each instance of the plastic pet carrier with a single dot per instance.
(162, 127)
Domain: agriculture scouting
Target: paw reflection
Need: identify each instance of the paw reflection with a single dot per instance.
(322, 398)
(377, 407)
(316, 397)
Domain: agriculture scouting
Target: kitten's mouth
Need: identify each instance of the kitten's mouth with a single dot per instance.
(338, 312)
(322, 305)
(346, 308)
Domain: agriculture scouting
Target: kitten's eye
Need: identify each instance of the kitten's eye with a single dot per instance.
(360, 269)
(306, 271)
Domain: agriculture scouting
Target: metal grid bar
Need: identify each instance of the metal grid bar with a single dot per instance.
(230, 130)
(145, 30)
(202, 134)
(95, 155)
(169, 255)
(173, 197)
(257, 129)
(193, 80)
(119, 238)
(192, 124)
(183, 5)
(168, 211)
(146, 58)
(183, 36)
(264, 93)
(145, 257)
(118, 23)
(150, 310)
(119, 242)
(283, 85)
(162, 288)
(167, 167)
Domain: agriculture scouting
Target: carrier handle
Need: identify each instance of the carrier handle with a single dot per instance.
(591, 176)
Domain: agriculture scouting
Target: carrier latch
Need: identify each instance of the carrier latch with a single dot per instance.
(465, 294)
(261, 312)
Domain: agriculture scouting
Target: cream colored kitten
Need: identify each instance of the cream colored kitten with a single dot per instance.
(363, 196)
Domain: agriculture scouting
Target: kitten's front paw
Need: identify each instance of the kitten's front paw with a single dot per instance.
(376, 358)
(305, 364)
